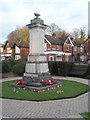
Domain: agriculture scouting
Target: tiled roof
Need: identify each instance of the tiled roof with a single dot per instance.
(88, 39)
(56, 41)
(23, 44)
(1, 45)
(63, 39)
(19, 44)
(11, 43)
(76, 43)
(53, 40)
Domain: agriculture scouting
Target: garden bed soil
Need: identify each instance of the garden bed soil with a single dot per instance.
(9, 74)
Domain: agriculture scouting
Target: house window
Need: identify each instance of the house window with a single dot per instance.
(67, 59)
(57, 47)
(1, 49)
(51, 58)
(81, 49)
(85, 57)
(67, 48)
(59, 58)
(53, 47)
(17, 57)
(17, 49)
(82, 58)
(75, 49)
(9, 50)
(3, 58)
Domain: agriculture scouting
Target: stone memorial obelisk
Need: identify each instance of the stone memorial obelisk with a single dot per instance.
(37, 63)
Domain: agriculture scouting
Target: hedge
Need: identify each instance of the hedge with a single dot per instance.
(19, 68)
(0, 67)
(88, 73)
(55, 68)
(7, 65)
(60, 68)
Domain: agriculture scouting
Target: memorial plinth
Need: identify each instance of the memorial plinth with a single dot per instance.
(36, 77)
(37, 63)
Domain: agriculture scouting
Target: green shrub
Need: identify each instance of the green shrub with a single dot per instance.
(88, 73)
(19, 68)
(0, 67)
(60, 68)
(53, 68)
(13, 62)
(6, 66)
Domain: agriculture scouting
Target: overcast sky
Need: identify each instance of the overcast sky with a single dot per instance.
(67, 14)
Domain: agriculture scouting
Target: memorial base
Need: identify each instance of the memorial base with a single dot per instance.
(37, 68)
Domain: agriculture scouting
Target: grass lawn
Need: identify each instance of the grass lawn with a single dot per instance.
(70, 89)
(86, 115)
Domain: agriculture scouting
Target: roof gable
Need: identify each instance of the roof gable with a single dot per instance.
(68, 40)
(53, 40)
(88, 39)
(11, 44)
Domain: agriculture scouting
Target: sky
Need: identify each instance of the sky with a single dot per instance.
(67, 14)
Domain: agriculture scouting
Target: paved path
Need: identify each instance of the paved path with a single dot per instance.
(67, 108)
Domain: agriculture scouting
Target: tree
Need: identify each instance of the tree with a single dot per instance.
(53, 28)
(79, 34)
(82, 35)
(62, 33)
(19, 34)
(75, 34)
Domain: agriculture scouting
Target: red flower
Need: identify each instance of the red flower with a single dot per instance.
(19, 82)
(49, 82)
(42, 82)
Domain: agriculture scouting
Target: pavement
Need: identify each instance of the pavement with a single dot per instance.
(65, 108)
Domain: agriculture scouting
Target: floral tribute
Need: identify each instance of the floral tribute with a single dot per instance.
(19, 82)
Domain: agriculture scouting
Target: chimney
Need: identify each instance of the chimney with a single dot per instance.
(54, 35)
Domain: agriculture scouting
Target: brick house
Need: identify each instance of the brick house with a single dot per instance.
(86, 45)
(21, 50)
(2, 52)
(63, 49)
(78, 48)
(9, 50)
(16, 50)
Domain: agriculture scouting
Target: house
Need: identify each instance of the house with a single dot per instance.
(63, 49)
(78, 49)
(21, 50)
(2, 52)
(86, 45)
(16, 50)
(9, 51)
(53, 48)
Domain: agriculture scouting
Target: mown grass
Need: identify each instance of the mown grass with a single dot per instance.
(70, 89)
(86, 115)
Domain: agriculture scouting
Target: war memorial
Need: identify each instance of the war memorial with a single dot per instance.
(37, 77)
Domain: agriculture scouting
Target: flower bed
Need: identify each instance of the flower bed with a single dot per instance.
(70, 89)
